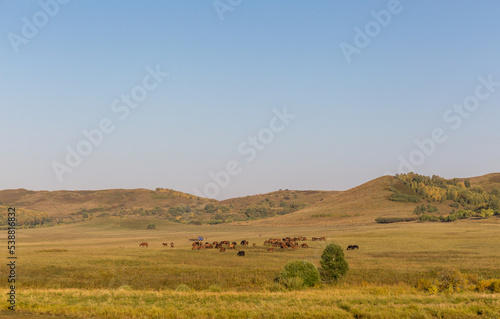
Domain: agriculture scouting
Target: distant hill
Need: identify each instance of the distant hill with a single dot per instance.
(365, 203)
(359, 205)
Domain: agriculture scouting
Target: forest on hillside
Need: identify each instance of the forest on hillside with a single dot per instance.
(466, 200)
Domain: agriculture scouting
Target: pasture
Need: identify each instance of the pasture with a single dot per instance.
(96, 269)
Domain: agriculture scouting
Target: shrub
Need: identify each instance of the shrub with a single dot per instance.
(151, 226)
(429, 218)
(389, 220)
(427, 285)
(302, 269)
(492, 285)
(405, 198)
(451, 281)
(333, 263)
(183, 287)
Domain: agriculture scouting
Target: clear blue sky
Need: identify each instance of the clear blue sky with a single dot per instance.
(226, 79)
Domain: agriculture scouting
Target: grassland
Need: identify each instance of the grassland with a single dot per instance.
(96, 269)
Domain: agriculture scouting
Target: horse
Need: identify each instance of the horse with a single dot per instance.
(165, 244)
(241, 253)
(270, 250)
(304, 245)
(144, 244)
(172, 244)
(222, 250)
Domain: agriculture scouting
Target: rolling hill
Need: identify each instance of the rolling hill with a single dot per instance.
(359, 205)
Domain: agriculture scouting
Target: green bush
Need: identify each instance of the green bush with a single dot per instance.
(333, 263)
(389, 220)
(302, 269)
(429, 218)
(405, 198)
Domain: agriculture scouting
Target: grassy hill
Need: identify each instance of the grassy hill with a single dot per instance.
(73, 205)
(363, 204)
(360, 205)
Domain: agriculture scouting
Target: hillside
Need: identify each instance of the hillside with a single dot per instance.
(359, 205)
(72, 205)
(365, 203)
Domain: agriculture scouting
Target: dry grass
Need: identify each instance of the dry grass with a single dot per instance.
(392, 302)
(96, 269)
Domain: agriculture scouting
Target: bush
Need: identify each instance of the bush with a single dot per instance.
(452, 281)
(429, 218)
(333, 263)
(492, 285)
(151, 226)
(183, 287)
(389, 220)
(405, 198)
(302, 269)
(448, 281)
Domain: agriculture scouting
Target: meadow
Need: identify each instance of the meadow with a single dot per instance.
(96, 269)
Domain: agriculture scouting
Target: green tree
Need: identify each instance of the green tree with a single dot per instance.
(302, 269)
(333, 263)
(467, 183)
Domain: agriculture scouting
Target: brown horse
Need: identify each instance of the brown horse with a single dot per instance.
(304, 245)
(270, 250)
(144, 244)
(172, 244)
(165, 244)
(222, 249)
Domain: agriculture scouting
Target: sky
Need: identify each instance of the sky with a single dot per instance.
(230, 98)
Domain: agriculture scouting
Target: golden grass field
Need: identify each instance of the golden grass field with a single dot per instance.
(96, 269)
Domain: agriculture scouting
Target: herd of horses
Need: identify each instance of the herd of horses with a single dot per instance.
(282, 243)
